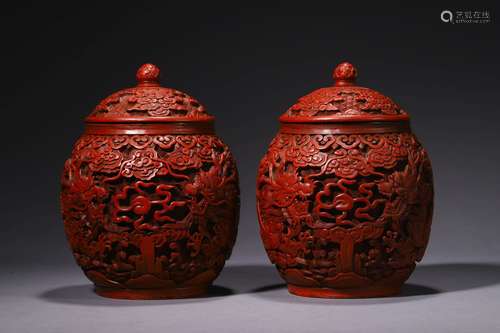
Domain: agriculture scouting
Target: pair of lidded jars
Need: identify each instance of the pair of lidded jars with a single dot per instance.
(150, 196)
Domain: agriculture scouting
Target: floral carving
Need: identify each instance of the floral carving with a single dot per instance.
(345, 211)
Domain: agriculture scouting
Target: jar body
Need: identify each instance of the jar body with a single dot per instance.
(345, 214)
(150, 216)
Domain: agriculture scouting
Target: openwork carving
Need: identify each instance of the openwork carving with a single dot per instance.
(150, 211)
(345, 211)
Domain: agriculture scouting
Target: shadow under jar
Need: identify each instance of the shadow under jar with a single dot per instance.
(150, 196)
(345, 193)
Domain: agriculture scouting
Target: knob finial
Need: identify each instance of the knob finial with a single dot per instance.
(148, 74)
(345, 74)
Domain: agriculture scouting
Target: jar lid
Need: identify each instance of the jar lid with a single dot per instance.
(149, 102)
(344, 102)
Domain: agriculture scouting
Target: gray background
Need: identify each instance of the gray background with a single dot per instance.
(247, 65)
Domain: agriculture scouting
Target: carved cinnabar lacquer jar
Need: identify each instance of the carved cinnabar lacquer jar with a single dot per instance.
(345, 193)
(150, 196)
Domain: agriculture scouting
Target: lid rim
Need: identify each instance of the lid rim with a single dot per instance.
(173, 128)
(343, 119)
(372, 127)
(141, 120)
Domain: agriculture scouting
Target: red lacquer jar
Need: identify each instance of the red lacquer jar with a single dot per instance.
(150, 196)
(345, 193)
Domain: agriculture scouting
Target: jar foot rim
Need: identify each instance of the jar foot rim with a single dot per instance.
(362, 292)
(151, 294)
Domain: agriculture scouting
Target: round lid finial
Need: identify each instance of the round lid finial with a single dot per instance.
(148, 74)
(345, 74)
